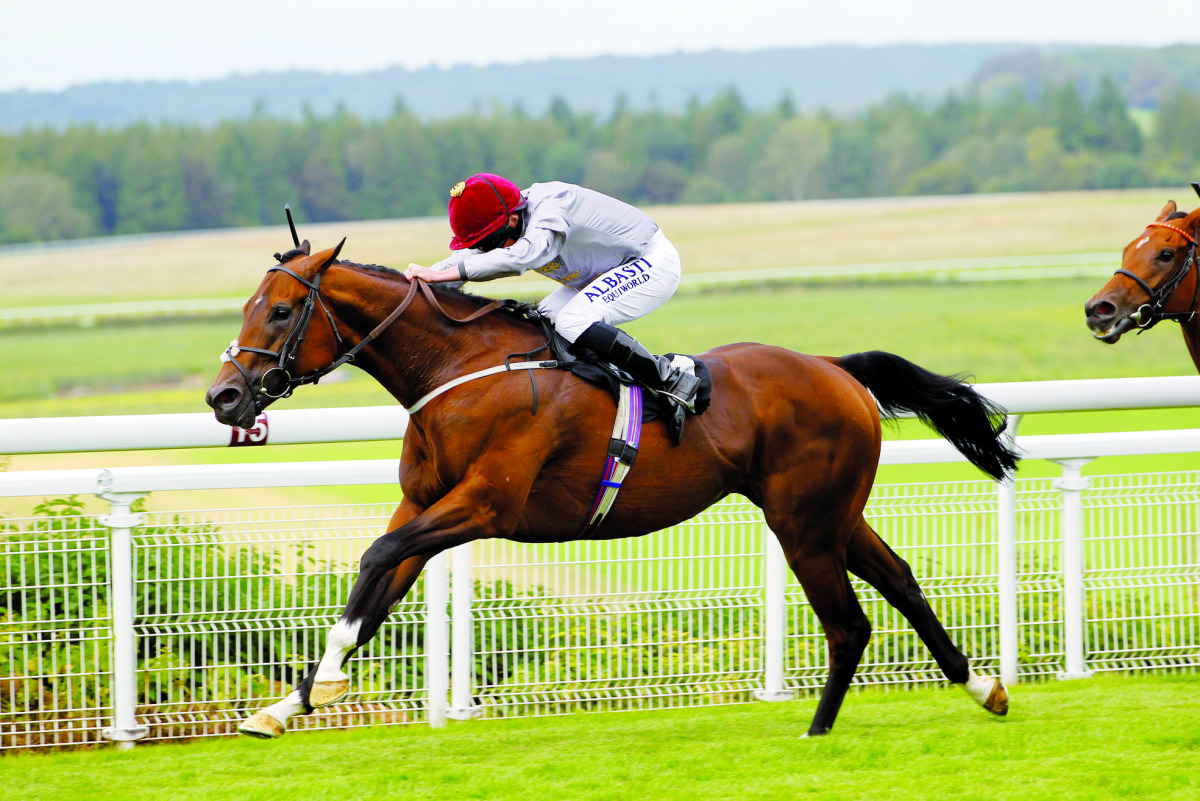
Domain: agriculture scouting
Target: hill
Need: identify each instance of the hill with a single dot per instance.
(841, 78)
(1145, 76)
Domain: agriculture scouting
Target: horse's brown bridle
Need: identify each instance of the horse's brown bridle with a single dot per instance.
(1150, 314)
(284, 383)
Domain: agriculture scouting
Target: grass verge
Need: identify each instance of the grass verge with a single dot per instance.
(1112, 737)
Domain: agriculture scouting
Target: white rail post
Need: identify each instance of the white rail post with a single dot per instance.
(1072, 484)
(1006, 557)
(774, 621)
(462, 631)
(437, 641)
(121, 522)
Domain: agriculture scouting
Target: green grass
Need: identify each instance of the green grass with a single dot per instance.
(999, 332)
(710, 238)
(1095, 739)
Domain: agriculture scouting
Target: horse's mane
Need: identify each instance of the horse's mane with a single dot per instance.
(525, 312)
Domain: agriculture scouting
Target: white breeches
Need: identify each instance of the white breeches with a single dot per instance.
(624, 293)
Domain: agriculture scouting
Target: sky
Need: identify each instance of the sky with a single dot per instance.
(53, 44)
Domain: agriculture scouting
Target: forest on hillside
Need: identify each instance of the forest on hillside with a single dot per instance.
(88, 181)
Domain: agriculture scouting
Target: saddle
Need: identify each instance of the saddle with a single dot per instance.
(587, 366)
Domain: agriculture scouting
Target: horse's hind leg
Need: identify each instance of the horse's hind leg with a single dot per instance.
(870, 558)
(368, 607)
(847, 630)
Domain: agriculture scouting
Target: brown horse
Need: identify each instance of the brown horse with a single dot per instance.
(1157, 281)
(798, 435)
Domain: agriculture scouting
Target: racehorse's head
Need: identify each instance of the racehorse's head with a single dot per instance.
(280, 345)
(1155, 277)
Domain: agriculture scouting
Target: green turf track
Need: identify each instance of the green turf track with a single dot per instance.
(1101, 738)
(997, 332)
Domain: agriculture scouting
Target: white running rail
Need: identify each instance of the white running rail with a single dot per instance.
(199, 430)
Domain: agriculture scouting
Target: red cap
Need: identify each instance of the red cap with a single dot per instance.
(479, 206)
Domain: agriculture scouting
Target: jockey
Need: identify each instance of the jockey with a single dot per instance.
(613, 262)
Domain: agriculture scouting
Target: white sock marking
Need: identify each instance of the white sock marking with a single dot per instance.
(342, 639)
(978, 687)
(281, 711)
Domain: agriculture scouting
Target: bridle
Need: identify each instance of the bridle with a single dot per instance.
(278, 382)
(1150, 314)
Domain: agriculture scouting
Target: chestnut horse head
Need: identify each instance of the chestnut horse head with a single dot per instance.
(277, 319)
(1157, 280)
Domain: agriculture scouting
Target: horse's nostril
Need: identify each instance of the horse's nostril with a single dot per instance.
(228, 397)
(1101, 310)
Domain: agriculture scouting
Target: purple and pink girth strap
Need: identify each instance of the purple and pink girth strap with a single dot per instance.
(622, 450)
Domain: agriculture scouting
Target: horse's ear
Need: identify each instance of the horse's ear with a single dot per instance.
(1167, 211)
(305, 248)
(1191, 222)
(332, 256)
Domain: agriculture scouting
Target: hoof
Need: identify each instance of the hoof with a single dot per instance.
(997, 700)
(324, 693)
(262, 726)
(989, 693)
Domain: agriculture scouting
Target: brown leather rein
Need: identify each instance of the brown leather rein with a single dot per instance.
(284, 384)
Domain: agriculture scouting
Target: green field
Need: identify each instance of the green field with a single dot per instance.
(1101, 738)
(1001, 332)
(715, 238)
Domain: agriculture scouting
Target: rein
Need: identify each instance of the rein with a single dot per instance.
(1150, 314)
(278, 381)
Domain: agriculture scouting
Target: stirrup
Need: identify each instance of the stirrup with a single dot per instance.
(675, 422)
(680, 388)
(683, 388)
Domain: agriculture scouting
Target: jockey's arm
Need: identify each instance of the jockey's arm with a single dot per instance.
(537, 247)
(432, 275)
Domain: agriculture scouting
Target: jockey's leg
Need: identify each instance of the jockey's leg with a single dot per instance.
(552, 304)
(656, 372)
(623, 294)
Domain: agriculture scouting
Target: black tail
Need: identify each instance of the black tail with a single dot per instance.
(969, 421)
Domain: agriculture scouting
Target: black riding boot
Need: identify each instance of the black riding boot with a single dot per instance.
(654, 372)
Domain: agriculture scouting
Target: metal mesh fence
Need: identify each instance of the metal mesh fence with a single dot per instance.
(667, 620)
(232, 606)
(55, 631)
(1142, 572)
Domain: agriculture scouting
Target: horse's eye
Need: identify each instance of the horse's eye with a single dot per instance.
(1166, 255)
(280, 313)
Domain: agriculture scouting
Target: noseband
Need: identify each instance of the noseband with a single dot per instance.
(284, 384)
(1150, 314)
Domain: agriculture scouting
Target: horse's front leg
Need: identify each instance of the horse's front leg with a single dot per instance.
(328, 677)
(473, 510)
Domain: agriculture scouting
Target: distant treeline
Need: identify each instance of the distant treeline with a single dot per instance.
(86, 181)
